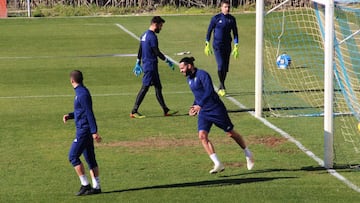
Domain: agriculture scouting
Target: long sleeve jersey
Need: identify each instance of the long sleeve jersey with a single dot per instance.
(202, 87)
(149, 50)
(83, 111)
(222, 25)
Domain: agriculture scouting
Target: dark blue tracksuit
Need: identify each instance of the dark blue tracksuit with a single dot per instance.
(213, 110)
(85, 126)
(148, 54)
(222, 25)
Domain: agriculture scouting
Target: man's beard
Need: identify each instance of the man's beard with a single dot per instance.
(188, 72)
(157, 30)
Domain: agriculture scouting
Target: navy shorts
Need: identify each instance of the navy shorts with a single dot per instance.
(151, 78)
(83, 144)
(222, 56)
(218, 116)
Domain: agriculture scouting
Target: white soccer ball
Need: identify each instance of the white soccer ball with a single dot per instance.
(283, 61)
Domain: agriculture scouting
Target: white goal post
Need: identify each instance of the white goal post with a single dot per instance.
(328, 71)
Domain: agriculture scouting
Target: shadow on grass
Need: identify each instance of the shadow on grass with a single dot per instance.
(162, 116)
(207, 183)
(272, 170)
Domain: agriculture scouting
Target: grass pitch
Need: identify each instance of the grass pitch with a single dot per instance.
(156, 159)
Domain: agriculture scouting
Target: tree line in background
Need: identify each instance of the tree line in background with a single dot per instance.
(22, 4)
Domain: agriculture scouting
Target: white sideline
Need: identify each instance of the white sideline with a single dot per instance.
(284, 134)
(85, 56)
(71, 95)
(309, 153)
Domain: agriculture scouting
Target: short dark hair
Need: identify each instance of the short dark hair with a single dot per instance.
(187, 60)
(225, 2)
(77, 76)
(157, 20)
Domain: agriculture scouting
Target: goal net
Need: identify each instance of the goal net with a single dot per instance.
(293, 76)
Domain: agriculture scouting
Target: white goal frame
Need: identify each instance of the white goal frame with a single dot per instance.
(328, 73)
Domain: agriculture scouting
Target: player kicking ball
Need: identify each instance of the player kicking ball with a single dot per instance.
(210, 110)
(148, 54)
(86, 133)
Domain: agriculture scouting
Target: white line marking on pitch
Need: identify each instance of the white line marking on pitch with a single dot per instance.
(85, 56)
(138, 39)
(286, 135)
(94, 95)
(309, 153)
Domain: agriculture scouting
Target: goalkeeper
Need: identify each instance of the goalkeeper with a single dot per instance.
(148, 54)
(222, 24)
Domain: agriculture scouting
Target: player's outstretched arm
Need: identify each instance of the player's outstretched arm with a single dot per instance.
(235, 32)
(140, 53)
(170, 64)
(137, 70)
(194, 110)
(235, 52)
(208, 88)
(207, 49)
(210, 28)
(86, 103)
(67, 117)
(158, 53)
(97, 137)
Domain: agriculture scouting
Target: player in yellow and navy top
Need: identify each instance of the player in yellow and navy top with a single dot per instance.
(210, 110)
(221, 25)
(86, 133)
(148, 54)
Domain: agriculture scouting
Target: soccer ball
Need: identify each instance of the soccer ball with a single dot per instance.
(283, 61)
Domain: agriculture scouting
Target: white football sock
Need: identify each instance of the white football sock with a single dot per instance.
(215, 159)
(96, 182)
(247, 152)
(84, 181)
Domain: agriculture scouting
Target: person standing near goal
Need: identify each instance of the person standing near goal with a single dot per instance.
(210, 110)
(86, 133)
(222, 24)
(148, 54)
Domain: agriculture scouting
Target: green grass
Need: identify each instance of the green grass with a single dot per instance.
(156, 159)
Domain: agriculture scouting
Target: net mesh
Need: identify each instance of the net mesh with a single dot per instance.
(296, 28)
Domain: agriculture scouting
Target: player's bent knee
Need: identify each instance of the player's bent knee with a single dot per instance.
(145, 88)
(74, 161)
(203, 136)
(93, 165)
(230, 134)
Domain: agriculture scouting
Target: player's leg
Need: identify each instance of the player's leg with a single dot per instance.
(218, 52)
(208, 146)
(222, 77)
(204, 127)
(75, 152)
(237, 138)
(222, 120)
(89, 155)
(226, 62)
(160, 97)
(240, 141)
(140, 97)
(219, 56)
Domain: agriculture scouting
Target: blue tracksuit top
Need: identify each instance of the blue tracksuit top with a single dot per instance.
(222, 25)
(149, 42)
(83, 111)
(202, 87)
